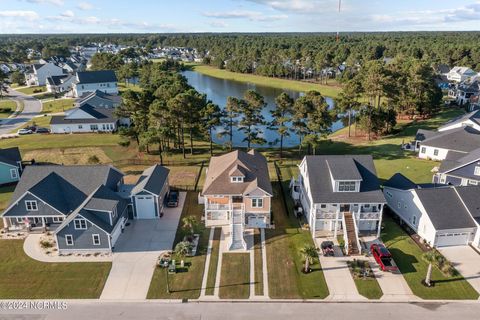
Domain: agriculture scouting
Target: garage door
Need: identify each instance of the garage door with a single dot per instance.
(257, 222)
(145, 207)
(452, 239)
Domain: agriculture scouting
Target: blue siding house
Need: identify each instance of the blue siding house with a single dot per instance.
(459, 169)
(10, 165)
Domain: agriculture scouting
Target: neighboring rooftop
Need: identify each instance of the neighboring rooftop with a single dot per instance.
(423, 134)
(456, 160)
(152, 180)
(101, 76)
(473, 116)
(10, 156)
(100, 115)
(464, 139)
(399, 181)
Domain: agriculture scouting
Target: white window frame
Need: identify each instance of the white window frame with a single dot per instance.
(57, 219)
(13, 173)
(236, 179)
(435, 152)
(414, 220)
(69, 240)
(80, 224)
(96, 236)
(32, 204)
(423, 150)
(257, 202)
(477, 171)
(80, 126)
(20, 220)
(346, 186)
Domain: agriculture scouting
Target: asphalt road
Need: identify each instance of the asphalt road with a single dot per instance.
(32, 108)
(265, 311)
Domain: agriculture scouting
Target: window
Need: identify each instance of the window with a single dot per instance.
(323, 206)
(93, 127)
(13, 173)
(96, 239)
(69, 239)
(442, 179)
(435, 152)
(257, 203)
(80, 224)
(477, 171)
(399, 205)
(423, 150)
(80, 126)
(473, 182)
(31, 205)
(237, 179)
(389, 194)
(57, 219)
(19, 220)
(104, 127)
(414, 220)
(346, 186)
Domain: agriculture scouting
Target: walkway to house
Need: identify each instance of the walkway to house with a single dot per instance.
(339, 280)
(136, 254)
(467, 261)
(32, 248)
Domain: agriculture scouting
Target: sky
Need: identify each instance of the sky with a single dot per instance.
(161, 16)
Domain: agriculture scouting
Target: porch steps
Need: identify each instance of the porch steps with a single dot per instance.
(351, 234)
(237, 228)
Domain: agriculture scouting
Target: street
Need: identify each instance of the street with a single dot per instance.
(32, 108)
(238, 310)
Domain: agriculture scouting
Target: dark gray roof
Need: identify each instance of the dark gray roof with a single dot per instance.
(56, 80)
(399, 181)
(457, 160)
(152, 180)
(101, 115)
(445, 209)
(101, 76)
(103, 199)
(464, 139)
(87, 98)
(343, 169)
(10, 156)
(473, 116)
(423, 134)
(470, 196)
(321, 185)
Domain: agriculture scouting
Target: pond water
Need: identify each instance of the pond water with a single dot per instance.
(218, 90)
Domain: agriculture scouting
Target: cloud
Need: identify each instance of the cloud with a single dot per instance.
(240, 14)
(300, 6)
(218, 24)
(85, 6)
(54, 2)
(25, 14)
(68, 14)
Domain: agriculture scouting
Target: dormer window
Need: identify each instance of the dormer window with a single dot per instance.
(236, 179)
(346, 186)
(31, 205)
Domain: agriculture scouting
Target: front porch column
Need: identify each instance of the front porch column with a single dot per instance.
(5, 223)
(380, 222)
(43, 222)
(336, 224)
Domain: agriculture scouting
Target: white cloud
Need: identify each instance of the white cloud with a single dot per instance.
(68, 14)
(85, 6)
(25, 14)
(300, 6)
(54, 2)
(240, 14)
(218, 24)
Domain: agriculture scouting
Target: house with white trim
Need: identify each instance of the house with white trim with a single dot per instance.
(91, 81)
(340, 195)
(460, 74)
(40, 72)
(10, 165)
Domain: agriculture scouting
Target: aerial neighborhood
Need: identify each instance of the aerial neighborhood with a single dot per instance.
(142, 170)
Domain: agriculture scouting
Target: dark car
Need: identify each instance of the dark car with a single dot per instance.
(32, 128)
(42, 130)
(327, 248)
(172, 199)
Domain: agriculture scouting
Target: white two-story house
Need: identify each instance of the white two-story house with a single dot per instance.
(340, 194)
(91, 81)
(40, 72)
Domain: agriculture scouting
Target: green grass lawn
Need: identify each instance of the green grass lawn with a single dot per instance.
(5, 195)
(326, 90)
(41, 141)
(25, 278)
(258, 263)
(31, 90)
(284, 260)
(212, 269)
(369, 288)
(408, 257)
(134, 87)
(235, 276)
(59, 105)
(187, 283)
(5, 105)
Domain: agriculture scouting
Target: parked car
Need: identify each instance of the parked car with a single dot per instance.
(383, 257)
(327, 248)
(172, 199)
(42, 130)
(31, 128)
(24, 131)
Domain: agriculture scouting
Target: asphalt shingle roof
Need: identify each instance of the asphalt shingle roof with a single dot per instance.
(464, 139)
(10, 156)
(474, 116)
(101, 115)
(423, 134)
(456, 160)
(152, 180)
(101, 76)
(321, 185)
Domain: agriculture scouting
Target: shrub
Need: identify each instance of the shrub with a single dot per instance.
(93, 159)
(46, 244)
(124, 143)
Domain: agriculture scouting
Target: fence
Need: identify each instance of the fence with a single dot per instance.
(282, 187)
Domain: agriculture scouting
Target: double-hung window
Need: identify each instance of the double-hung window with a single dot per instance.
(477, 171)
(69, 239)
(257, 203)
(96, 239)
(13, 173)
(80, 224)
(346, 186)
(31, 205)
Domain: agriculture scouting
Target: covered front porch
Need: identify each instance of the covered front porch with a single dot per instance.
(32, 224)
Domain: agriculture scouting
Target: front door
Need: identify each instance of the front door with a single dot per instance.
(344, 208)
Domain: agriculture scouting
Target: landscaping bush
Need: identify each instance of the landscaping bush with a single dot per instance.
(5, 110)
(440, 262)
(46, 244)
(93, 159)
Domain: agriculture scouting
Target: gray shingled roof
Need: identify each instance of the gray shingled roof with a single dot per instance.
(470, 196)
(56, 80)
(321, 185)
(445, 209)
(116, 99)
(464, 139)
(152, 180)
(103, 199)
(254, 166)
(473, 116)
(343, 169)
(423, 134)
(399, 181)
(10, 156)
(455, 160)
(100, 76)
(101, 115)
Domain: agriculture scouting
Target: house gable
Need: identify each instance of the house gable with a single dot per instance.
(19, 209)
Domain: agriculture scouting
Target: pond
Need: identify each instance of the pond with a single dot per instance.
(218, 90)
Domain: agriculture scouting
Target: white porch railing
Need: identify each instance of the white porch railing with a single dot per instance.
(355, 226)
(217, 206)
(345, 234)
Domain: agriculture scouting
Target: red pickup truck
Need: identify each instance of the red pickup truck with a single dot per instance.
(383, 257)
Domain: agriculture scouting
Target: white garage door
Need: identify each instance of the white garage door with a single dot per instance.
(145, 207)
(257, 222)
(452, 239)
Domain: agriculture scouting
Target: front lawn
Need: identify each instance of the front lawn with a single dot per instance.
(25, 278)
(5, 195)
(235, 276)
(32, 90)
(408, 257)
(212, 269)
(7, 108)
(258, 262)
(187, 283)
(50, 141)
(364, 279)
(56, 106)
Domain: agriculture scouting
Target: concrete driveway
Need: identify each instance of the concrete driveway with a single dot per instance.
(32, 108)
(467, 261)
(136, 253)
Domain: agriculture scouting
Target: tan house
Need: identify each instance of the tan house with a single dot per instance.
(237, 193)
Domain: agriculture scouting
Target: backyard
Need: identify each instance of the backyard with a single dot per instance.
(408, 256)
(31, 90)
(57, 106)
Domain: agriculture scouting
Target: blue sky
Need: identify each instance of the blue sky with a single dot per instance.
(106, 16)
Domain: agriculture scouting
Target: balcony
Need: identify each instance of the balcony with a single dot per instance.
(217, 206)
(369, 215)
(327, 215)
